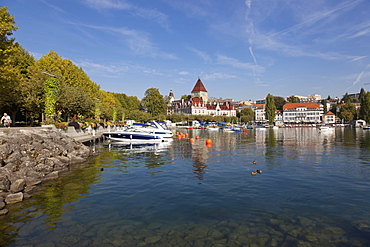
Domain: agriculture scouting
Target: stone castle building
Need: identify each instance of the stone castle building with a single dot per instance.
(198, 104)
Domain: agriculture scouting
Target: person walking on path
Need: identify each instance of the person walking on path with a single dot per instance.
(6, 120)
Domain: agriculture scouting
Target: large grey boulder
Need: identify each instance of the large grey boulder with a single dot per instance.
(18, 185)
(14, 198)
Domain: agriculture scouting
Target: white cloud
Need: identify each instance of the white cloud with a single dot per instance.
(150, 14)
(358, 58)
(183, 73)
(206, 58)
(109, 70)
(152, 72)
(221, 59)
(218, 76)
(138, 41)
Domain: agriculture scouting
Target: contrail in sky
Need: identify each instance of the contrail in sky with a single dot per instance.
(315, 18)
(251, 51)
(250, 31)
(357, 80)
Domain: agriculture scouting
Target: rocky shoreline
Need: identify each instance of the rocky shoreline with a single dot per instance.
(30, 157)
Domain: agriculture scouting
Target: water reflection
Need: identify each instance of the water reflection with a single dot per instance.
(200, 156)
(313, 192)
(139, 147)
(49, 202)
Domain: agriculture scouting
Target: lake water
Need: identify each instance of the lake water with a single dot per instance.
(313, 191)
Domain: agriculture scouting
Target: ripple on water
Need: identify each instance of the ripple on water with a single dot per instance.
(313, 191)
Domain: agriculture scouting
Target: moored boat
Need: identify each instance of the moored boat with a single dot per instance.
(325, 128)
(133, 135)
(154, 127)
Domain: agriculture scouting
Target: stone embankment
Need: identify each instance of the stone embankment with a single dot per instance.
(30, 157)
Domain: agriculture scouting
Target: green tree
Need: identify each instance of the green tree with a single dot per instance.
(32, 93)
(176, 117)
(346, 98)
(108, 103)
(51, 88)
(114, 115)
(77, 91)
(279, 102)
(68, 73)
(270, 110)
(246, 115)
(347, 111)
(139, 116)
(97, 110)
(133, 103)
(73, 100)
(293, 99)
(365, 105)
(10, 79)
(153, 102)
(128, 103)
(185, 96)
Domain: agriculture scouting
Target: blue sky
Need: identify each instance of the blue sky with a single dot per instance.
(241, 49)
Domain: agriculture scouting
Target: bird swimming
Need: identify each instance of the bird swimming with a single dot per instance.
(253, 173)
(254, 162)
(259, 171)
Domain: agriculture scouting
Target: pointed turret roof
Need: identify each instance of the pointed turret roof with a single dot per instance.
(171, 94)
(199, 87)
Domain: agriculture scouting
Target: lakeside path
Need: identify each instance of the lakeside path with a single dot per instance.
(78, 135)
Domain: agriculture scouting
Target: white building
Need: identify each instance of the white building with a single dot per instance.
(328, 118)
(259, 113)
(302, 113)
(309, 98)
(197, 104)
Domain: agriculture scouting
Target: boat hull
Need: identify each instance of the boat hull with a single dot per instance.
(132, 137)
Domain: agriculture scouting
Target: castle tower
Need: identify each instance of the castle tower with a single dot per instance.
(171, 97)
(200, 91)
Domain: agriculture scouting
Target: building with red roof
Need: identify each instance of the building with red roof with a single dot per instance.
(328, 118)
(302, 112)
(198, 104)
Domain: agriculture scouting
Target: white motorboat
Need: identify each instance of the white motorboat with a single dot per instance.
(154, 131)
(133, 135)
(325, 128)
(155, 127)
(227, 129)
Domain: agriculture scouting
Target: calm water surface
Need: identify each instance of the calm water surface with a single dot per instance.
(313, 191)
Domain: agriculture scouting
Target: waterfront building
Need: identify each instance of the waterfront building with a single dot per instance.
(328, 118)
(198, 104)
(259, 113)
(261, 101)
(302, 113)
(309, 98)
